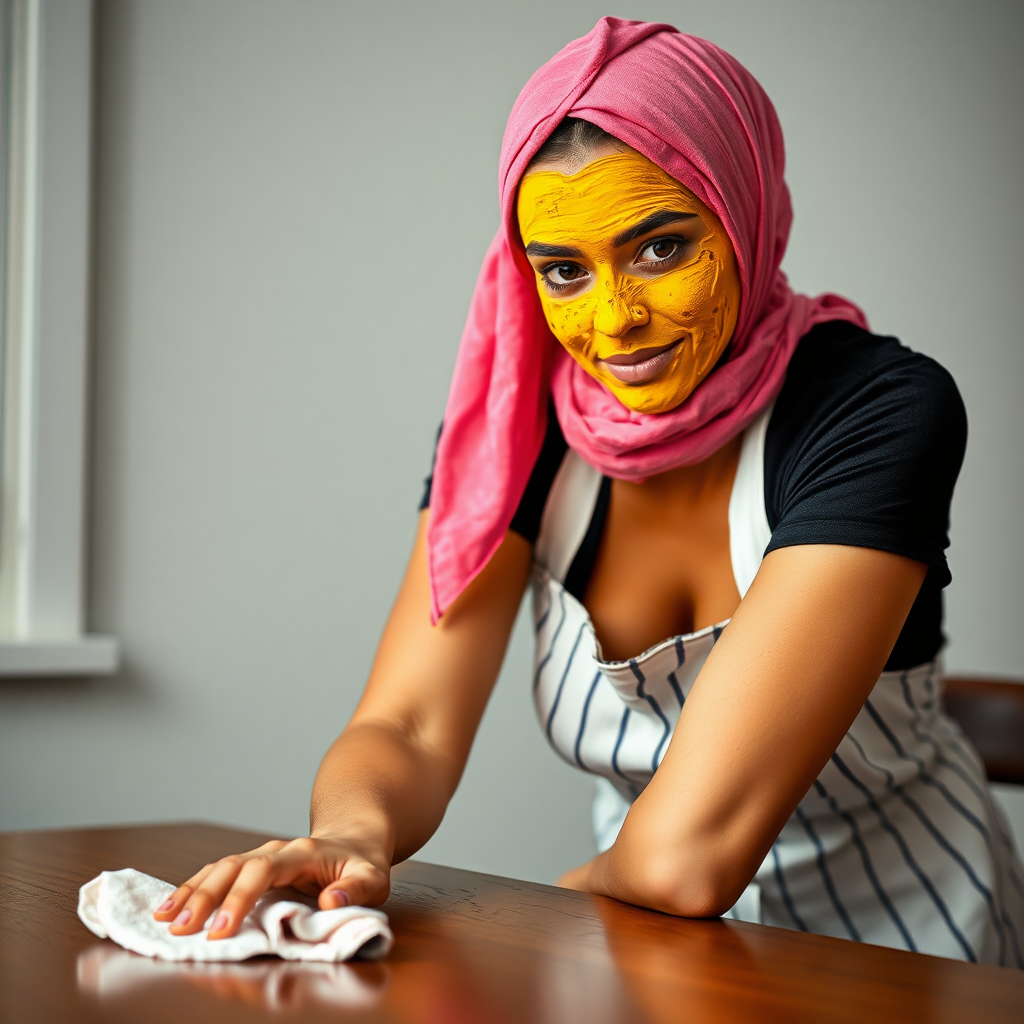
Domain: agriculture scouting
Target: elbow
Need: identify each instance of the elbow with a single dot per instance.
(696, 895)
(687, 886)
(683, 868)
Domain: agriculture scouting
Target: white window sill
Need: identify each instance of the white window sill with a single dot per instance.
(90, 655)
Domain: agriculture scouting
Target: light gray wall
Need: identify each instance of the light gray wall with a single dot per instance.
(292, 203)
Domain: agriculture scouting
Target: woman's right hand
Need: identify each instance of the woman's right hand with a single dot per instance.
(338, 871)
(383, 787)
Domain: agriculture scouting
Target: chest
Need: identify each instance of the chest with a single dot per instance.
(663, 563)
(660, 559)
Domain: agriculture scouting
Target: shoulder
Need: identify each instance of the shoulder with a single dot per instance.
(864, 447)
(846, 387)
(838, 365)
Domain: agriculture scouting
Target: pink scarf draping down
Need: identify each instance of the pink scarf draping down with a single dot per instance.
(698, 114)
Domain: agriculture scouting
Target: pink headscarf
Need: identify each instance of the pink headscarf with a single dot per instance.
(698, 114)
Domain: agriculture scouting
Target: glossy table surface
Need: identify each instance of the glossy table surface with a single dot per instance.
(469, 948)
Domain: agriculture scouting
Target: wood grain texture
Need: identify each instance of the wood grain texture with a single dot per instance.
(470, 948)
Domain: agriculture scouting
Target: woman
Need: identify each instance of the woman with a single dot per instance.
(730, 503)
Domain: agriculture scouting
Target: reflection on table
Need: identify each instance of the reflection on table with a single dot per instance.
(469, 948)
(108, 973)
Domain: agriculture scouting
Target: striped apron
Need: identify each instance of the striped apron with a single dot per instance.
(898, 841)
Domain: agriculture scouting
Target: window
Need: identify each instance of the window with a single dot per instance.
(45, 142)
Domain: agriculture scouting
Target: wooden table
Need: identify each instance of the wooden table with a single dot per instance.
(470, 948)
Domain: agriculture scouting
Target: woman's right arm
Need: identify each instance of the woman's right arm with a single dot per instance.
(385, 783)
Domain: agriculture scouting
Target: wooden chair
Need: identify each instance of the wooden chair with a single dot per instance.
(991, 714)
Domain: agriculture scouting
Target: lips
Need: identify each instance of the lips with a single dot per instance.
(640, 366)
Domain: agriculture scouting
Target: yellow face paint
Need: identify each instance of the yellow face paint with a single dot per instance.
(636, 275)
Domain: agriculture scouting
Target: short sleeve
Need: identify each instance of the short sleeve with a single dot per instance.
(864, 448)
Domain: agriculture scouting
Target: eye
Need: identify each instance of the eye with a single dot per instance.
(661, 250)
(559, 276)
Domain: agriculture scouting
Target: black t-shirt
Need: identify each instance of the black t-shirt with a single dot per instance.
(863, 448)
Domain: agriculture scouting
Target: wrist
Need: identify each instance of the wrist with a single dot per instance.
(371, 836)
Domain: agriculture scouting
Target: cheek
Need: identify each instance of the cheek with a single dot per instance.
(572, 323)
(691, 295)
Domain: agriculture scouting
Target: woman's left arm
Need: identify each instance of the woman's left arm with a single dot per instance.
(772, 703)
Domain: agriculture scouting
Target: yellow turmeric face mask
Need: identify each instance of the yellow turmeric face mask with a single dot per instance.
(636, 275)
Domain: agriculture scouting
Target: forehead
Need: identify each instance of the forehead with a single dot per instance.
(599, 200)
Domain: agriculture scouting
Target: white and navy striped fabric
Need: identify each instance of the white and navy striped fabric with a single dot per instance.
(897, 842)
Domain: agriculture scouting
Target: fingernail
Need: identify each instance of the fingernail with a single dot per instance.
(165, 906)
(340, 898)
(182, 919)
(220, 921)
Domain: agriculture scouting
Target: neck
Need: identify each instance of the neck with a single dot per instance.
(717, 471)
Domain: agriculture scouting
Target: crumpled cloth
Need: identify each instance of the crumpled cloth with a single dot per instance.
(119, 905)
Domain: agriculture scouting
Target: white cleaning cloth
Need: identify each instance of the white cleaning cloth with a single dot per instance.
(120, 904)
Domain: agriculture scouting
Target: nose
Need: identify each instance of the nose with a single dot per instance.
(615, 315)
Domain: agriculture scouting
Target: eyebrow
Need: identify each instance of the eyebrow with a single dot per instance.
(565, 252)
(656, 220)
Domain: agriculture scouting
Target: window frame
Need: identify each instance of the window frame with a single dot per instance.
(47, 153)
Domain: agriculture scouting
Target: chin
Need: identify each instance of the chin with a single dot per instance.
(650, 405)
